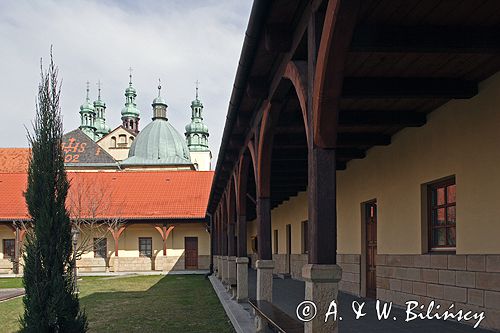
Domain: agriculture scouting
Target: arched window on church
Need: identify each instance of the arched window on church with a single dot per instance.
(113, 141)
(131, 124)
(122, 140)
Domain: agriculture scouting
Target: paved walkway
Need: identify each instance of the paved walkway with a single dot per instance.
(8, 293)
(288, 293)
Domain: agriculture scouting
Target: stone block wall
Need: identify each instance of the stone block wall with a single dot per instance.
(6, 266)
(129, 264)
(471, 282)
(351, 273)
(87, 265)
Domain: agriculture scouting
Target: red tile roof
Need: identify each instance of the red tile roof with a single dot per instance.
(125, 194)
(14, 159)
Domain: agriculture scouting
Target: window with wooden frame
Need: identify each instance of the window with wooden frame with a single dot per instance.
(9, 248)
(145, 247)
(305, 237)
(100, 247)
(441, 206)
(275, 241)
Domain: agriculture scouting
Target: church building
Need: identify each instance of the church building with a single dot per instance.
(137, 198)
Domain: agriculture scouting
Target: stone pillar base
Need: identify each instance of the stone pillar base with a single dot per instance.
(115, 264)
(242, 279)
(321, 288)
(264, 280)
(224, 269)
(216, 266)
(231, 270)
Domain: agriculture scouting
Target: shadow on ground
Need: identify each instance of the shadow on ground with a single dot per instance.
(288, 293)
(173, 304)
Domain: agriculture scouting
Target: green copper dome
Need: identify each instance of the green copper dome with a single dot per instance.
(130, 109)
(159, 101)
(196, 131)
(158, 144)
(101, 128)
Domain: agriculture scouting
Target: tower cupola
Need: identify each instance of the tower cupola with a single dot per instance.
(130, 113)
(196, 130)
(159, 105)
(87, 116)
(100, 115)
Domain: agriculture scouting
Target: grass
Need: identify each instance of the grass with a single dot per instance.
(11, 283)
(175, 303)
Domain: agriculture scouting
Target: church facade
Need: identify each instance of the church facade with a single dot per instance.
(137, 198)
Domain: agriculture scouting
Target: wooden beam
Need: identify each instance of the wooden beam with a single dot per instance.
(346, 140)
(368, 118)
(290, 155)
(257, 87)
(278, 38)
(340, 20)
(350, 153)
(381, 87)
(425, 39)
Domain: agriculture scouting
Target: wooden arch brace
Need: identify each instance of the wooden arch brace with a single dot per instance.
(336, 37)
(116, 233)
(164, 232)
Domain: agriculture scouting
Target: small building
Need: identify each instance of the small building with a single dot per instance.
(136, 197)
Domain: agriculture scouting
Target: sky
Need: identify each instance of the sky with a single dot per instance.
(178, 41)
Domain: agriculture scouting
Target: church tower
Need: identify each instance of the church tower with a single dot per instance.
(87, 116)
(197, 137)
(130, 113)
(100, 116)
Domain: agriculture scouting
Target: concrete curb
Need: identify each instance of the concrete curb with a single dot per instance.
(238, 313)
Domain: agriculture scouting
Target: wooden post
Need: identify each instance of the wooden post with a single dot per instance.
(164, 232)
(322, 206)
(17, 248)
(264, 228)
(116, 233)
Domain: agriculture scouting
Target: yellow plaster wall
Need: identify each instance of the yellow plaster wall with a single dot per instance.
(119, 153)
(461, 138)
(293, 212)
(129, 240)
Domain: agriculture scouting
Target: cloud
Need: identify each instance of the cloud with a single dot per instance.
(177, 41)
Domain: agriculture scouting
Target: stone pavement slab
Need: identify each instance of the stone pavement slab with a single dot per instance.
(8, 293)
(239, 313)
(288, 293)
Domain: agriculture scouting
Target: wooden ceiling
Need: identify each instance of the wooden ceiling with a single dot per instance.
(406, 58)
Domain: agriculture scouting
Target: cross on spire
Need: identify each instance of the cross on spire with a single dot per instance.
(159, 87)
(88, 88)
(99, 89)
(197, 84)
(130, 75)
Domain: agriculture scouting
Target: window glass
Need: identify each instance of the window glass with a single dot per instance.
(145, 247)
(442, 215)
(9, 248)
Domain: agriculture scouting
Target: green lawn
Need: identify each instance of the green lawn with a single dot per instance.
(175, 303)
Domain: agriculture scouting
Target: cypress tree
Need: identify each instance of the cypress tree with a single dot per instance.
(50, 305)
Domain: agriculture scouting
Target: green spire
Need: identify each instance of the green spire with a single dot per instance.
(130, 113)
(87, 116)
(100, 120)
(197, 131)
(159, 105)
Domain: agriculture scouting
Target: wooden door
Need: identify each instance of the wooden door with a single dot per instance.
(371, 249)
(191, 252)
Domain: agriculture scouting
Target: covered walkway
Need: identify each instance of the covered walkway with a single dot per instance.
(288, 293)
